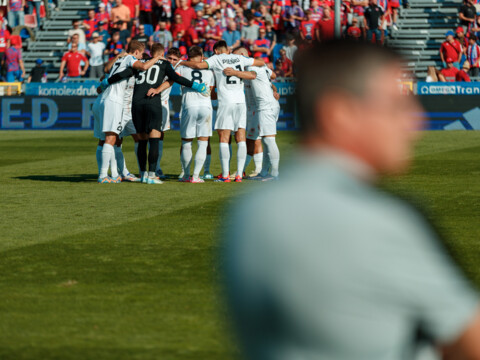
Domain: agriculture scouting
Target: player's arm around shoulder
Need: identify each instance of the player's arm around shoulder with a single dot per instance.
(144, 66)
(195, 65)
(155, 91)
(246, 75)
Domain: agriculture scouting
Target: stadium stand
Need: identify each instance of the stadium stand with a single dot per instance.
(422, 30)
(51, 42)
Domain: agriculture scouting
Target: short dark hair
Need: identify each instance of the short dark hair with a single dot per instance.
(342, 65)
(220, 44)
(157, 48)
(174, 51)
(195, 51)
(472, 37)
(238, 48)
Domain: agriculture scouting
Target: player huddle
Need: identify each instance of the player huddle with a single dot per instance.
(134, 101)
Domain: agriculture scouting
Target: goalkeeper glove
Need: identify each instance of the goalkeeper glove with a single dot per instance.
(201, 88)
(104, 84)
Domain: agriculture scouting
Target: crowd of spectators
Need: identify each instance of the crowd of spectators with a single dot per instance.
(270, 29)
(460, 51)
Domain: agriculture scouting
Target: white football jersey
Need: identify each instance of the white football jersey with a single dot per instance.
(165, 95)
(191, 98)
(249, 96)
(262, 88)
(229, 88)
(127, 101)
(116, 92)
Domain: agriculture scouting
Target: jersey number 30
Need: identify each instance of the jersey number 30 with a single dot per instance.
(151, 75)
(231, 81)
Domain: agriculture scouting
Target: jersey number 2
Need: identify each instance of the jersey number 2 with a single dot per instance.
(234, 81)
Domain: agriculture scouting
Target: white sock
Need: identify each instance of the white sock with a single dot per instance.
(241, 155)
(273, 154)
(113, 164)
(160, 153)
(206, 166)
(247, 161)
(135, 149)
(225, 159)
(99, 157)
(258, 159)
(122, 167)
(107, 153)
(186, 157)
(200, 158)
(265, 161)
(151, 175)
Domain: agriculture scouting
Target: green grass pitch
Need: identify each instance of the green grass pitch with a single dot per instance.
(128, 271)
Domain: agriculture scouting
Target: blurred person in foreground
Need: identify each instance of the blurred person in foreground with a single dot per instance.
(330, 267)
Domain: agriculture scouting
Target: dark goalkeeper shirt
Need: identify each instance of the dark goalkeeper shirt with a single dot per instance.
(153, 78)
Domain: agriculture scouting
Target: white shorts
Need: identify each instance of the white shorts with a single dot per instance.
(129, 128)
(113, 120)
(196, 122)
(98, 120)
(231, 117)
(165, 116)
(267, 120)
(253, 128)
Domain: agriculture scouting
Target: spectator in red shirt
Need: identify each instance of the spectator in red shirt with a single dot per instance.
(326, 26)
(462, 75)
(449, 73)
(72, 59)
(146, 7)
(191, 37)
(277, 20)
(451, 48)
(186, 12)
(307, 28)
(200, 24)
(134, 7)
(4, 40)
(284, 66)
(317, 11)
(212, 35)
(178, 29)
(102, 16)
(261, 46)
(14, 64)
(115, 46)
(354, 32)
(90, 24)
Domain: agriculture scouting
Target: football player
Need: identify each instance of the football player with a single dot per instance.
(231, 113)
(196, 117)
(268, 111)
(111, 107)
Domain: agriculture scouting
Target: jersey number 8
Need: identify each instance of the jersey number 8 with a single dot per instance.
(197, 76)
